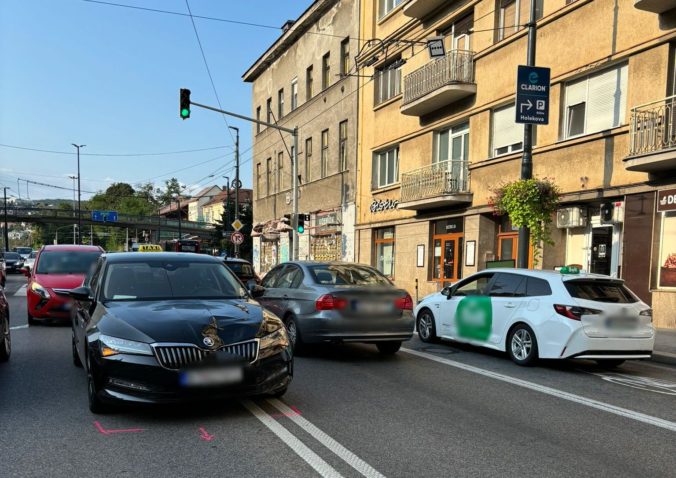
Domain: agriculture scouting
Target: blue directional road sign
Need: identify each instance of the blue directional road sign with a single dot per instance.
(532, 95)
(104, 216)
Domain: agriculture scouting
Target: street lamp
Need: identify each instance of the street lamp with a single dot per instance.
(178, 203)
(73, 177)
(79, 205)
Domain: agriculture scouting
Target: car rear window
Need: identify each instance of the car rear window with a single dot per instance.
(12, 256)
(339, 274)
(241, 268)
(600, 291)
(66, 262)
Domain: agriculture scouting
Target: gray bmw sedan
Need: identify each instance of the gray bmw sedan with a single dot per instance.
(338, 302)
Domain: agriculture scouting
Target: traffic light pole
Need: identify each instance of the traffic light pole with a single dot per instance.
(527, 159)
(79, 204)
(294, 165)
(236, 181)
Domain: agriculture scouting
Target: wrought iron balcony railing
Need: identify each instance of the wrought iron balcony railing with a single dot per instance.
(653, 127)
(436, 179)
(456, 67)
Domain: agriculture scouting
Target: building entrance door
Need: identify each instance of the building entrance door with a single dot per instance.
(447, 257)
(601, 250)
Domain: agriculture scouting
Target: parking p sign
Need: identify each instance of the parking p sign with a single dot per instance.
(532, 95)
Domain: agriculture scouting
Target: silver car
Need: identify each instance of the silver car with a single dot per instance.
(338, 302)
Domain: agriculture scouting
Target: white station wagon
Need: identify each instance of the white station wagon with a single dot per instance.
(534, 314)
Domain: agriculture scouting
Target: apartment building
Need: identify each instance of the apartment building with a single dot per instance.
(200, 199)
(439, 133)
(304, 80)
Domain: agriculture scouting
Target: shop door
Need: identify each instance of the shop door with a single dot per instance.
(448, 250)
(601, 250)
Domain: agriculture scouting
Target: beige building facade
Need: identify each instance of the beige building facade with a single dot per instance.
(304, 81)
(436, 134)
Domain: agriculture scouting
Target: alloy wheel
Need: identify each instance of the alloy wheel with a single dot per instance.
(522, 344)
(425, 326)
(291, 331)
(6, 339)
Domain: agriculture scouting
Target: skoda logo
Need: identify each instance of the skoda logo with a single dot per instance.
(209, 342)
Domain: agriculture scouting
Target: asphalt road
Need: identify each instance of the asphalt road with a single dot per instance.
(430, 411)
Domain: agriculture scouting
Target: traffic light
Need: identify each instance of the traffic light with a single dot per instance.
(185, 103)
(301, 222)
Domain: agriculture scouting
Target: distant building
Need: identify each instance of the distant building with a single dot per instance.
(213, 210)
(197, 202)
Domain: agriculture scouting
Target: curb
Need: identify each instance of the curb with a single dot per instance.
(664, 357)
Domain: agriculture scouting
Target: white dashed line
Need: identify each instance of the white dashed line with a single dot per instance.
(19, 327)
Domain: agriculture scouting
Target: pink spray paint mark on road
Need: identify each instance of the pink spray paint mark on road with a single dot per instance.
(103, 431)
(204, 435)
(295, 413)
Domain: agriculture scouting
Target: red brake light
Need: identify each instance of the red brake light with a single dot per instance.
(574, 313)
(404, 303)
(330, 302)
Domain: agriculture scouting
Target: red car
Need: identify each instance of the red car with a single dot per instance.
(57, 267)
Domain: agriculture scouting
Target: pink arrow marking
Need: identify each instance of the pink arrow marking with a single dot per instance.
(204, 435)
(103, 431)
(295, 413)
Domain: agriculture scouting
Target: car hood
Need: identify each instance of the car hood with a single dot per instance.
(59, 281)
(182, 321)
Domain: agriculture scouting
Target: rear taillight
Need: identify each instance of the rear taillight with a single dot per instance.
(574, 312)
(404, 303)
(330, 302)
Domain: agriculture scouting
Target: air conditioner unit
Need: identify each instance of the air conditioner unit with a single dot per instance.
(574, 216)
(612, 212)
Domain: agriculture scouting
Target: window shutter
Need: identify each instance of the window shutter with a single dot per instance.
(505, 129)
(607, 99)
(576, 92)
(374, 172)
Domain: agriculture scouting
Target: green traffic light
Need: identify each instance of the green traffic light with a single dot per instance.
(185, 113)
(301, 229)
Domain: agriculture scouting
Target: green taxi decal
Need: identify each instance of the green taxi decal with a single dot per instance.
(474, 317)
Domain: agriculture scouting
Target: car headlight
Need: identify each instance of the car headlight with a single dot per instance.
(114, 345)
(39, 290)
(272, 336)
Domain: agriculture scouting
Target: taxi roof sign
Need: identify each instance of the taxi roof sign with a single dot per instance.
(149, 248)
(569, 270)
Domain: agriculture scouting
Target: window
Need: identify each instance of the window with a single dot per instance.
(280, 104)
(326, 71)
(595, 103)
(258, 181)
(667, 251)
(601, 290)
(460, 33)
(384, 251)
(268, 176)
(386, 6)
(342, 145)
(507, 134)
(388, 83)
(308, 159)
(514, 14)
(324, 154)
(536, 287)
(291, 159)
(451, 146)
(294, 94)
(280, 170)
(345, 57)
(309, 85)
(506, 285)
(290, 278)
(271, 277)
(476, 286)
(348, 274)
(258, 117)
(268, 110)
(385, 168)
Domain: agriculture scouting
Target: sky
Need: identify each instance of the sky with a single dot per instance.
(73, 71)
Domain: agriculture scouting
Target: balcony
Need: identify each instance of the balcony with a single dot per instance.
(440, 82)
(440, 184)
(655, 6)
(652, 137)
(421, 8)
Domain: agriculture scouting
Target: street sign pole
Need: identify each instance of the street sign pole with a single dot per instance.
(527, 159)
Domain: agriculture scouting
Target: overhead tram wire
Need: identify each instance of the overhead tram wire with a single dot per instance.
(166, 153)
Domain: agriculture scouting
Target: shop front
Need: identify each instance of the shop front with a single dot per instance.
(447, 248)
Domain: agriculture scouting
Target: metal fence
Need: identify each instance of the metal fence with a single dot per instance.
(437, 179)
(456, 67)
(653, 127)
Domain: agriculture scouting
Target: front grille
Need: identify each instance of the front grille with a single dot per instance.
(176, 356)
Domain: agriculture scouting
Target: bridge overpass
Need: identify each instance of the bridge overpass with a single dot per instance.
(64, 216)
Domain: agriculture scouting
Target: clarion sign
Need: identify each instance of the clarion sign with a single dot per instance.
(666, 200)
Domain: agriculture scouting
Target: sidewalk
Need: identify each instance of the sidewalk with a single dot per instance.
(665, 346)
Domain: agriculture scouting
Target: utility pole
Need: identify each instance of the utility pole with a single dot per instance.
(79, 204)
(294, 165)
(527, 159)
(226, 224)
(6, 231)
(237, 183)
(73, 177)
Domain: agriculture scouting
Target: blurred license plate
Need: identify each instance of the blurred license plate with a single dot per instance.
(372, 307)
(621, 323)
(211, 376)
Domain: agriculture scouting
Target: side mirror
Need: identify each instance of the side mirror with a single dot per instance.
(256, 290)
(26, 271)
(82, 294)
(447, 291)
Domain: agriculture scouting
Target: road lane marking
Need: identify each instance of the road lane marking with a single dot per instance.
(19, 327)
(623, 412)
(648, 384)
(21, 291)
(346, 455)
(310, 457)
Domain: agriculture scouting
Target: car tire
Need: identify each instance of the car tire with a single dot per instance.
(5, 340)
(31, 320)
(96, 405)
(76, 358)
(522, 345)
(390, 347)
(427, 331)
(293, 332)
(610, 363)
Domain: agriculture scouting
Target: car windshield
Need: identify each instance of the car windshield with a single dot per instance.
(12, 256)
(155, 280)
(23, 250)
(66, 262)
(240, 268)
(348, 274)
(600, 291)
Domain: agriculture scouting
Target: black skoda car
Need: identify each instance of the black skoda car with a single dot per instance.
(165, 327)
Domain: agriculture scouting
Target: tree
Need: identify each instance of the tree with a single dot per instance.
(171, 187)
(224, 225)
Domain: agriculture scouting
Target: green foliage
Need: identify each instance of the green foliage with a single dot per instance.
(529, 203)
(171, 187)
(228, 216)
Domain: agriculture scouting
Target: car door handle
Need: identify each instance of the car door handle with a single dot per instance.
(285, 296)
(510, 305)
